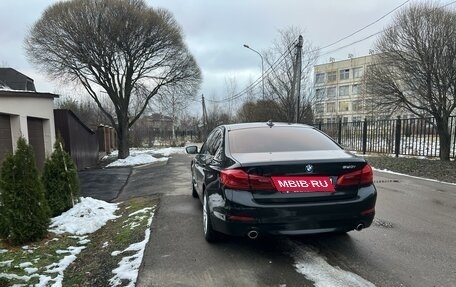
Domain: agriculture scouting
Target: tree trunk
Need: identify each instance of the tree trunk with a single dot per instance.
(444, 138)
(123, 140)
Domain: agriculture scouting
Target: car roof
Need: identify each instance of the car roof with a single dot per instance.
(240, 126)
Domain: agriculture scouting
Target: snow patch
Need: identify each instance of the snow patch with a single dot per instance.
(169, 151)
(25, 264)
(30, 270)
(144, 210)
(3, 251)
(137, 159)
(129, 265)
(6, 263)
(85, 217)
(315, 268)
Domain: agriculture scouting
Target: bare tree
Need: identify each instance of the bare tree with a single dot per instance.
(281, 60)
(85, 109)
(121, 46)
(416, 67)
(260, 111)
(217, 116)
(174, 102)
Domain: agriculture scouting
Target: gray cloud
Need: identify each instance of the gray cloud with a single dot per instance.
(215, 31)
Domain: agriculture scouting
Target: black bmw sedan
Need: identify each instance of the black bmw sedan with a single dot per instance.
(270, 178)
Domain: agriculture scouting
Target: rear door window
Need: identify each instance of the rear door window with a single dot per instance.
(279, 139)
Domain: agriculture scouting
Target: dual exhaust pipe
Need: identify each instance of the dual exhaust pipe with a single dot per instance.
(359, 227)
(253, 234)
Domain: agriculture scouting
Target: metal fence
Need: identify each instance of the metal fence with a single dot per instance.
(414, 137)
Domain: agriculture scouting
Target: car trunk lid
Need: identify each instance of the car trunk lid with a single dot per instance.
(339, 167)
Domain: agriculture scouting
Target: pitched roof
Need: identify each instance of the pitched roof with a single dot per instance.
(15, 80)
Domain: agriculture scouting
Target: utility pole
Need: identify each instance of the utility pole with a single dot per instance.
(296, 82)
(204, 117)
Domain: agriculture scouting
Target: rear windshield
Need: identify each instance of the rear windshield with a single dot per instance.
(278, 139)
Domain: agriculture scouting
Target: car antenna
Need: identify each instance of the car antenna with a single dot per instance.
(270, 123)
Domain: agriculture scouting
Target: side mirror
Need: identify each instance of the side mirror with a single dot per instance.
(193, 149)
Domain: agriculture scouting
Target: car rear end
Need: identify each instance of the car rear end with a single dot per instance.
(279, 185)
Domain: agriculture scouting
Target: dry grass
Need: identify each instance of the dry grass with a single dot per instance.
(433, 169)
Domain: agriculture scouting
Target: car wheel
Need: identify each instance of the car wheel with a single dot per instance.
(194, 193)
(209, 233)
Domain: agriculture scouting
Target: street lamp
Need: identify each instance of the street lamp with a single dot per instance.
(262, 65)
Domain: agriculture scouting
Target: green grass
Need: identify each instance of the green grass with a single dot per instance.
(94, 265)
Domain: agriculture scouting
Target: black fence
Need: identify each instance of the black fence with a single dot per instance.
(79, 141)
(414, 137)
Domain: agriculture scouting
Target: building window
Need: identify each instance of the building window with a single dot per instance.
(331, 107)
(358, 72)
(356, 119)
(331, 92)
(332, 76)
(357, 105)
(344, 74)
(355, 89)
(320, 78)
(319, 108)
(343, 106)
(320, 93)
(344, 91)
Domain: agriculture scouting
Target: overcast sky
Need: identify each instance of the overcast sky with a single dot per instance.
(215, 31)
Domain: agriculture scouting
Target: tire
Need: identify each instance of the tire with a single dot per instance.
(209, 233)
(194, 193)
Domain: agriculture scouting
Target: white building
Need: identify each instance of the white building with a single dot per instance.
(339, 91)
(29, 114)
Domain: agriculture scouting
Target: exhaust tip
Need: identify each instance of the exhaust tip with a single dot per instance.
(359, 227)
(252, 234)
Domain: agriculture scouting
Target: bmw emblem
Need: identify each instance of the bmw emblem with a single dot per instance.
(309, 168)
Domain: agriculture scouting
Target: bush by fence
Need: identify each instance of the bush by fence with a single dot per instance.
(414, 137)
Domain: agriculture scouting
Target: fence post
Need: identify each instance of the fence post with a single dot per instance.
(319, 125)
(364, 136)
(339, 131)
(397, 140)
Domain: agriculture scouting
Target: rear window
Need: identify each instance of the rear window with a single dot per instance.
(278, 139)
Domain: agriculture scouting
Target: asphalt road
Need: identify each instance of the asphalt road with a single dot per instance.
(411, 243)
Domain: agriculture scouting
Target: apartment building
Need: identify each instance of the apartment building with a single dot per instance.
(339, 91)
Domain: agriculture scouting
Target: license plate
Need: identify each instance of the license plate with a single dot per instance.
(292, 184)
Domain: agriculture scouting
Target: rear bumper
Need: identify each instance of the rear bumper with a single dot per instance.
(292, 219)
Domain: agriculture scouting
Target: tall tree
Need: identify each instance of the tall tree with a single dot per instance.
(119, 46)
(281, 59)
(416, 67)
(260, 111)
(174, 103)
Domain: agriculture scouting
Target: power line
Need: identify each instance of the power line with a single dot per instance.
(282, 57)
(257, 81)
(363, 28)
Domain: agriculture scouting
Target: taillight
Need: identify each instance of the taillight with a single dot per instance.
(239, 179)
(235, 179)
(364, 176)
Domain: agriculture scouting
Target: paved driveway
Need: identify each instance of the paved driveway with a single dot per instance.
(411, 242)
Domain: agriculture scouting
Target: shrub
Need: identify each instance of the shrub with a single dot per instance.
(25, 211)
(60, 179)
(3, 222)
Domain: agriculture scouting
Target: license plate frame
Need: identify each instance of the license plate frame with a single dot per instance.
(303, 184)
